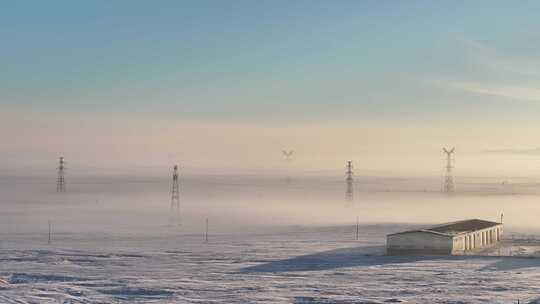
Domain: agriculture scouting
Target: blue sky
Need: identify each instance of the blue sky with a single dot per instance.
(117, 67)
(263, 59)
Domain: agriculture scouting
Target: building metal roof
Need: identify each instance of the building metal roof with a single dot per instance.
(455, 228)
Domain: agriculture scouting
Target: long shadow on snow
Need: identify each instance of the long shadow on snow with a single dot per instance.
(363, 256)
(512, 263)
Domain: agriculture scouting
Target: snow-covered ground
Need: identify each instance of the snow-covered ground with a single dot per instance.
(119, 246)
(285, 265)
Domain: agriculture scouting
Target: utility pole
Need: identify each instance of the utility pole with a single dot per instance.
(206, 232)
(349, 194)
(449, 178)
(357, 228)
(49, 240)
(60, 182)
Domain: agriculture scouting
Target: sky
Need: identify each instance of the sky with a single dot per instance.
(229, 84)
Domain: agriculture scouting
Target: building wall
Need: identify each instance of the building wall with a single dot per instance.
(458, 244)
(418, 242)
(477, 239)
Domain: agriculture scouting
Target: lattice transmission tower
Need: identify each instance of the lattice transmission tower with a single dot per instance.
(349, 194)
(61, 182)
(175, 193)
(287, 154)
(449, 178)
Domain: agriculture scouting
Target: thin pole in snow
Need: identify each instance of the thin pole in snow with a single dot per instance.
(357, 228)
(49, 240)
(206, 232)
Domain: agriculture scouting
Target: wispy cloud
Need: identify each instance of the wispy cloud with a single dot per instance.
(496, 60)
(530, 151)
(503, 65)
(498, 90)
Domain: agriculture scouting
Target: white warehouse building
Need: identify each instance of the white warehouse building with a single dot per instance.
(451, 238)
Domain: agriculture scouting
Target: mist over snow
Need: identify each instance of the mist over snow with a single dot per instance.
(288, 238)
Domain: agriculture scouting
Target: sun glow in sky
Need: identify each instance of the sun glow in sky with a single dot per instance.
(231, 83)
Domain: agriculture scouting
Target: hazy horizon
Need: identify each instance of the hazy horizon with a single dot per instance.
(229, 85)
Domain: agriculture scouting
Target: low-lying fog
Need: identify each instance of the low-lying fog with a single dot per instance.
(244, 203)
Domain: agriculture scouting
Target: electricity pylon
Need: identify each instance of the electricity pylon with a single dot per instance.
(349, 194)
(175, 195)
(449, 178)
(60, 182)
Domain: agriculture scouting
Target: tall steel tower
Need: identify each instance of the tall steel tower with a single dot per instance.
(60, 182)
(449, 178)
(175, 193)
(287, 154)
(349, 194)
